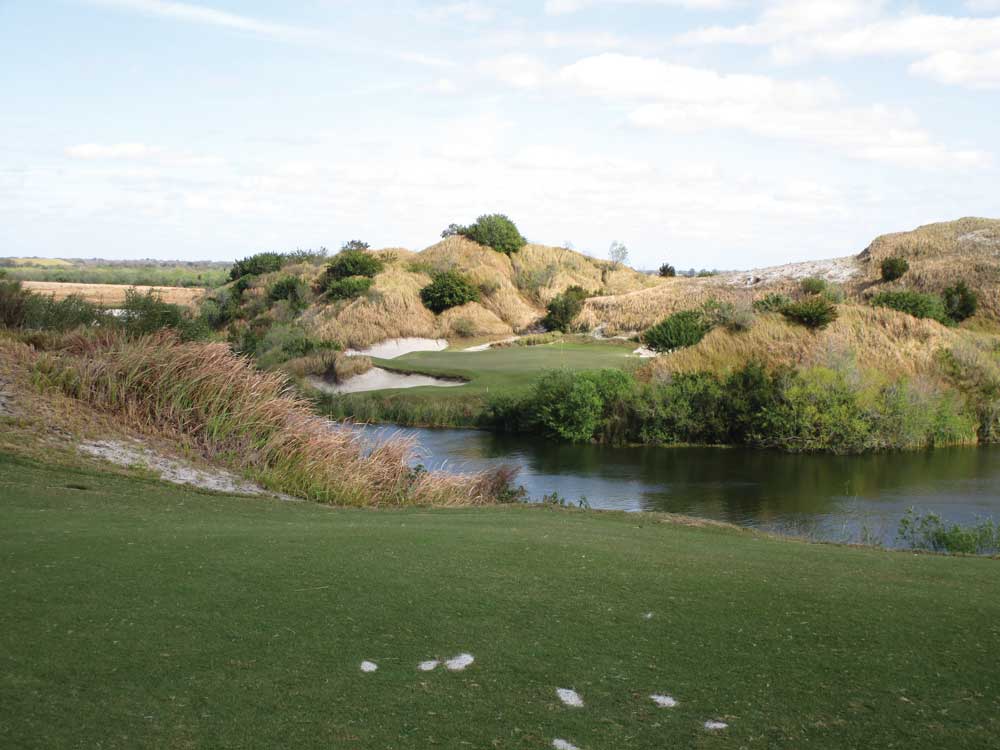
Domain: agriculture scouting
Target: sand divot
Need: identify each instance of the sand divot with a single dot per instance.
(427, 666)
(648, 616)
(570, 697)
(563, 745)
(368, 666)
(714, 726)
(663, 701)
(460, 662)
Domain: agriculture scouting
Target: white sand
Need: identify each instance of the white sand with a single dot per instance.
(488, 344)
(460, 662)
(368, 666)
(570, 697)
(713, 726)
(663, 701)
(393, 348)
(563, 745)
(427, 666)
(376, 379)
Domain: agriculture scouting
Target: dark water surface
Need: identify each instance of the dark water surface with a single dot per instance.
(837, 498)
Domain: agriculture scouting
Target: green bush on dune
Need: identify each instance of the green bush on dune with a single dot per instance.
(492, 230)
(447, 290)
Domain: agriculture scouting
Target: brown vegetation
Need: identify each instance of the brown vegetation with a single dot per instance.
(112, 295)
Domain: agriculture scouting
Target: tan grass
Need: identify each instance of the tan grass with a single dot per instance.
(112, 295)
(241, 417)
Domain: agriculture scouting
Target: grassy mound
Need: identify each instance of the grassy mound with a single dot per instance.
(138, 615)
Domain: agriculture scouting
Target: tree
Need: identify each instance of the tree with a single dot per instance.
(355, 245)
(618, 253)
(667, 270)
(960, 302)
(495, 231)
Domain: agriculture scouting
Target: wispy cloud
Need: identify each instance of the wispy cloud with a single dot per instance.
(562, 7)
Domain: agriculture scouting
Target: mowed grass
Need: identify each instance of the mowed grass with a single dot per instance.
(137, 615)
(494, 372)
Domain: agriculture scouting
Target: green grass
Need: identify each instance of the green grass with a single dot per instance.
(493, 372)
(137, 615)
(139, 273)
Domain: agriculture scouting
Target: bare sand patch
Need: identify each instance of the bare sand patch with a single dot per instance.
(570, 697)
(460, 662)
(112, 295)
(663, 701)
(392, 348)
(368, 666)
(378, 378)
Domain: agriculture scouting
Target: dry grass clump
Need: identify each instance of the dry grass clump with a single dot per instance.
(244, 418)
(328, 364)
(876, 338)
(938, 255)
(112, 295)
(469, 320)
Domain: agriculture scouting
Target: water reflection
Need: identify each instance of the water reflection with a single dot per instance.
(830, 497)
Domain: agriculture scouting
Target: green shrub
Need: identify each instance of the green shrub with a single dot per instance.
(772, 302)
(667, 271)
(144, 313)
(349, 288)
(685, 328)
(813, 285)
(254, 265)
(463, 327)
(579, 406)
(732, 317)
(288, 288)
(14, 301)
(917, 304)
(690, 408)
(928, 531)
(283, 342)
(813, 312)
(495, 231)
(357, 245)
(564, 308)
(894, 268)
(353, 262)
(960, 302)
(447, 290)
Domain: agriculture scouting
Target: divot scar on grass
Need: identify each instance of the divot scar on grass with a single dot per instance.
(570, 697)
(368, 666)
(559, 744)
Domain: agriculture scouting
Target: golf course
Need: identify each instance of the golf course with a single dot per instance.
(140, 615)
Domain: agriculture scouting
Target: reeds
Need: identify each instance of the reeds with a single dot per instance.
(245, 419)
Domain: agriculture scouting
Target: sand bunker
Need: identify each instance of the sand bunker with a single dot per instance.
(570, 697)
(714, 726)
(460, 662)
(487, 345)
(427, 666)
(368, 666)
(563, 745)
(663, 701)
(377, 379)
(393, 348)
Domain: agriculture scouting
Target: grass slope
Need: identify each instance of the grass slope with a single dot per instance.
(138, 615)
(490, 373)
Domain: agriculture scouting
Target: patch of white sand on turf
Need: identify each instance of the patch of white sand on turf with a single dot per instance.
(663, 701)
(563, 745)
(460, 662)
(427, 666)
(713, 726)
(570, 697)
(368, 666)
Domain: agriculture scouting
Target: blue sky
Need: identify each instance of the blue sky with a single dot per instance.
(710, 133)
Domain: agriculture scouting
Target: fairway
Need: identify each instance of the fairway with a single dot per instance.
(503, 371)
(138, 615)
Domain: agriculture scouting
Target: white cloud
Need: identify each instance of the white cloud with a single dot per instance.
(680, 97)
(982, 6)
(519, 71)
(597, 40)
(562, 7)
(113, 151)
(470, 12)
(795, 30)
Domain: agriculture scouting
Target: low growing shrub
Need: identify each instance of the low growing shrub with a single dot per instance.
(493, 230)
(813, 312)
(917, 304)
(667, 271)
(564, 308)
(685, 328)
(930, 532)
(289, 288)
(772, 302)
(447, 290)
(728, 315)
(254, 265)
(353, 262)
(894, 268)
(349, 288)
(960, 302)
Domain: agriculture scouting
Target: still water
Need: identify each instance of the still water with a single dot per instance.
(835, 498)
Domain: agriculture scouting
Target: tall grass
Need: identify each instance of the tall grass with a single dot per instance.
(246, 419)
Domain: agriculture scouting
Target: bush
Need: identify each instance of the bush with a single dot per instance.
(894, 268)
(254, 265)
(353, 262)
(349, 288)
(667, 271)
(288, 288)
(772, 303)
(813, 285)
(687, 409)
(928, 531)
(564, 308)
(577, 406)
(447, 290)
(960, 302)
(355, 245)
(685, 328)
(14, 301)
(917, 304)
(732, 317)
(495, 231)
(144, 313)
(813, 312)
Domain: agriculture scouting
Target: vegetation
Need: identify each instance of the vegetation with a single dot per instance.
(255, 265)
(349, 288)
(850, 632)
(684, 328)
(122, 272)
(815, 311)
(492, 230)
(667, 271)
(564, 308)
(917, 304)
(353, 262)
(928, 531)
(893, 268)
(960, 302)
(355, 245)
(447, 290)
(772, 302)
(618, 254)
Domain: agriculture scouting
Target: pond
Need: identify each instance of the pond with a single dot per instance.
(833, 498)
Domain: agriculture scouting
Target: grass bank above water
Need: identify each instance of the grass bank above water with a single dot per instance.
(140, 615)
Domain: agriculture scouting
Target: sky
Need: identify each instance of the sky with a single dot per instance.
(705, 133)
